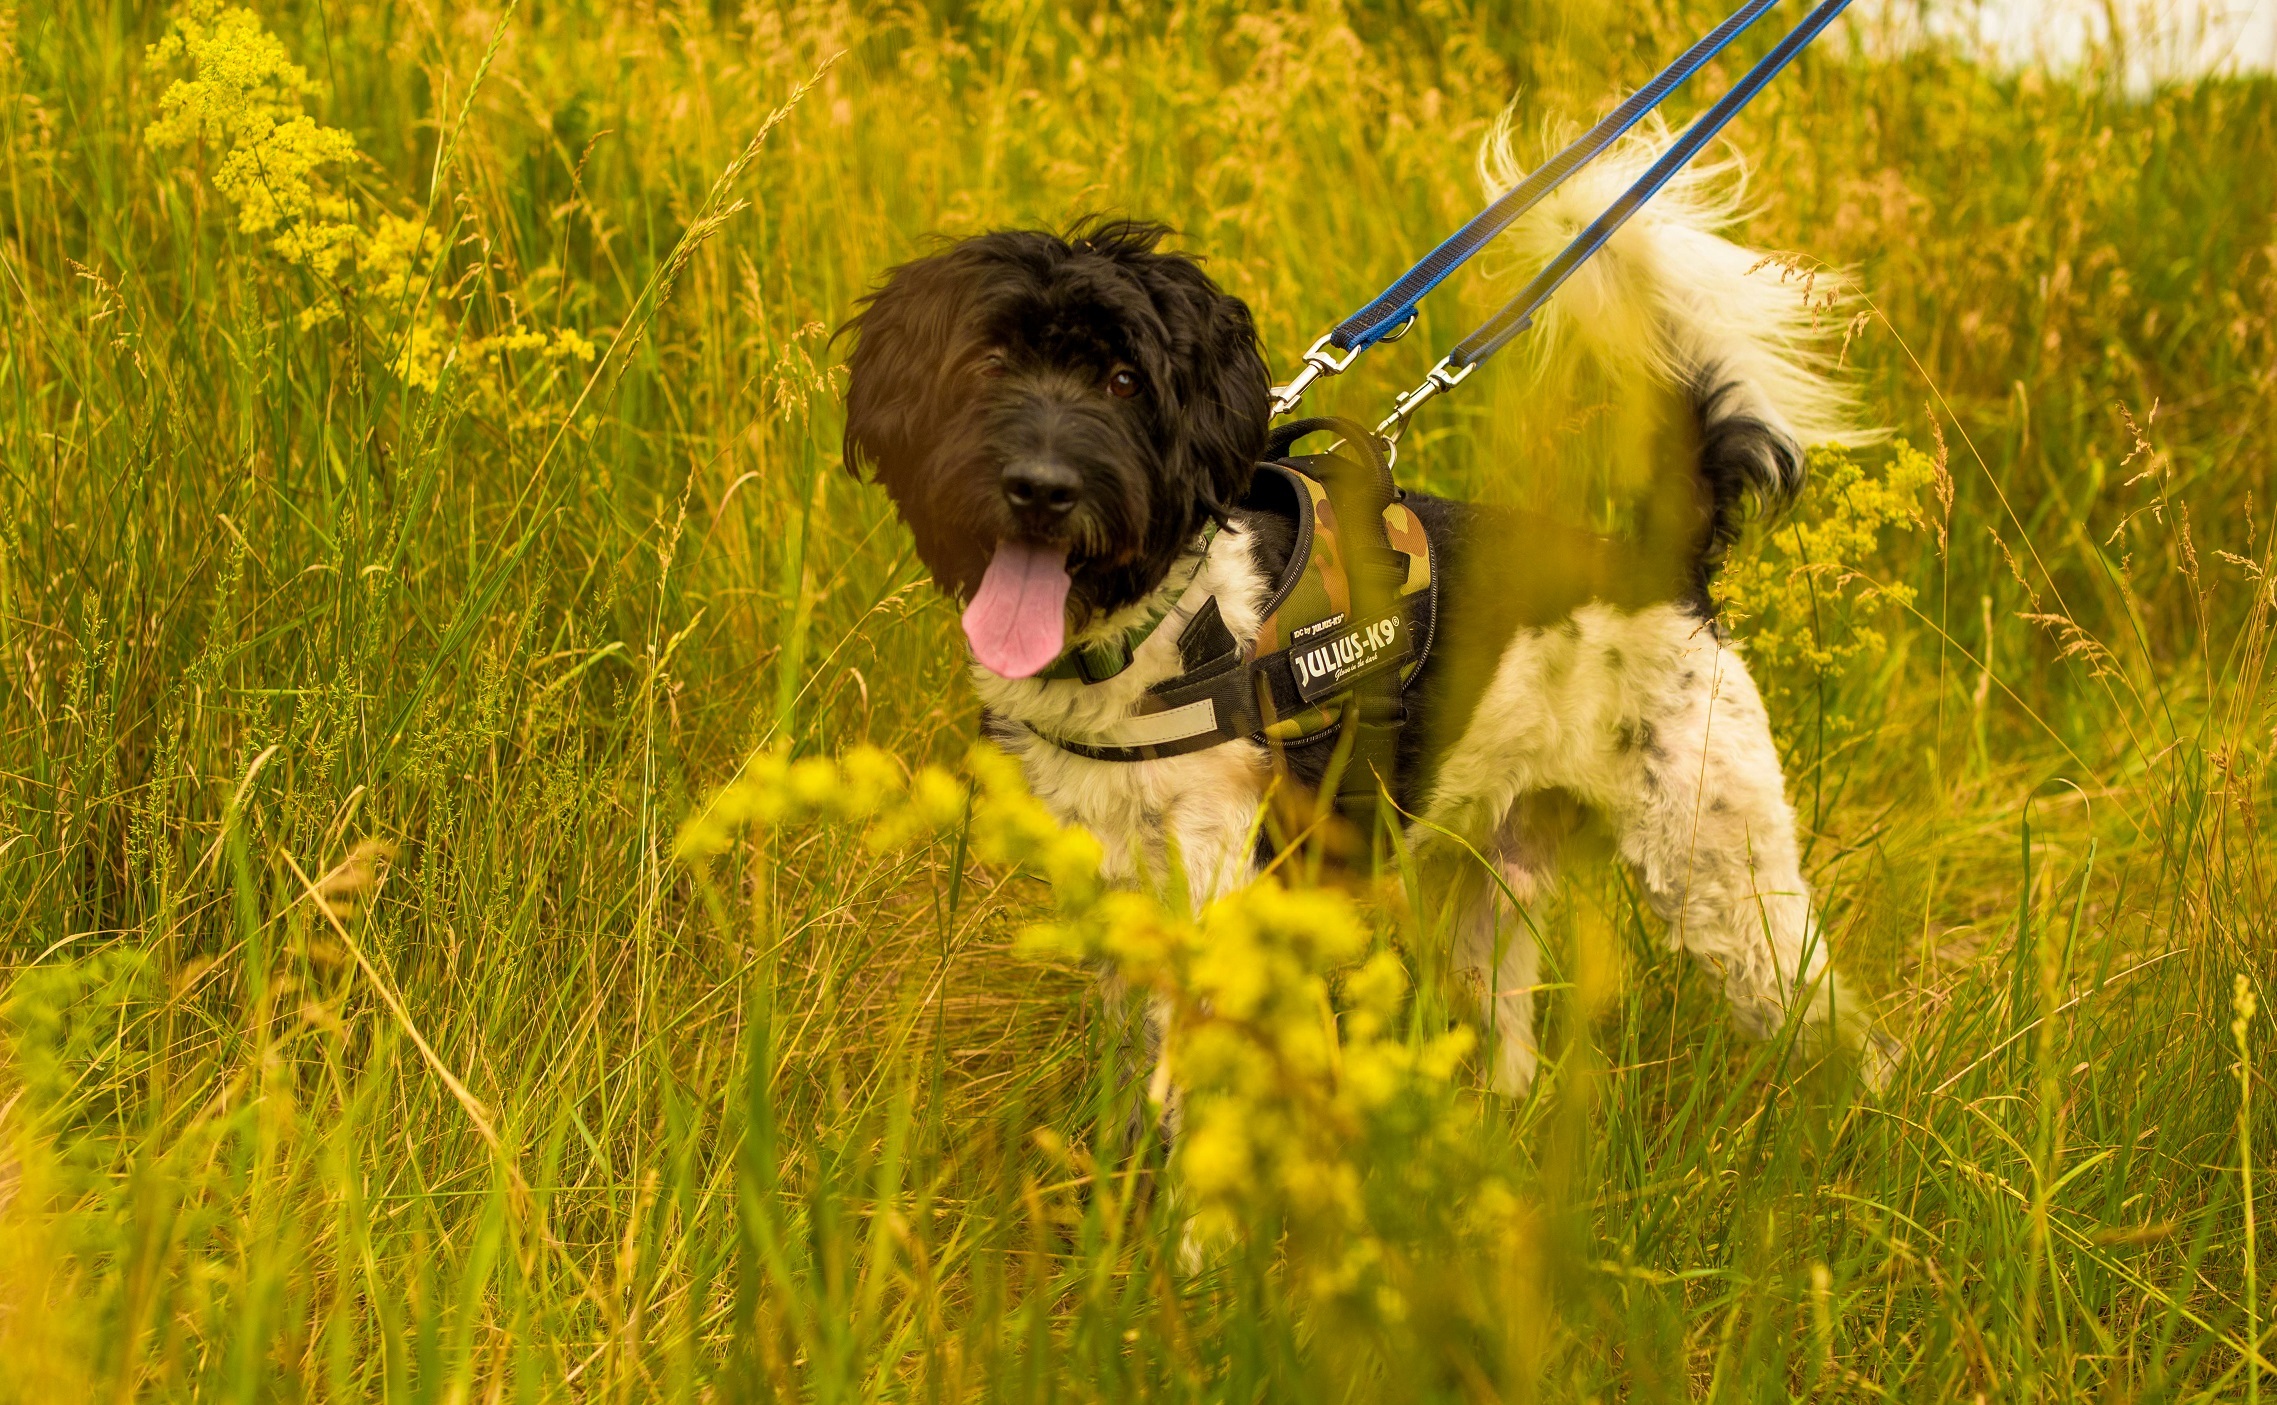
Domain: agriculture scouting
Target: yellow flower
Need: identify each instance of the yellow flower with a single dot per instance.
(813, 780)
(936, 797)
(1285, 1114)
(1374, 992)
(1322, 1187)
(394, 257)
(322, 244)
(420, 360)
(511, 340)
(243, 79)
(998, 774)
(275, 167)
(1231, 973)
(1215, 1155)
(1372, 1074)
(1798, 600)
(1215, 1056)
(568, 345)
(1138, 935)
(244, 95)
(1071, 860)
(872, 779)
(1443, 1055)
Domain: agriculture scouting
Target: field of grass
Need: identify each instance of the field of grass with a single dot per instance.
(403, 531)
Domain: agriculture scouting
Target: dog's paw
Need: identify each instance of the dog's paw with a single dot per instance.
(1194, 1254)
(1878, 1060)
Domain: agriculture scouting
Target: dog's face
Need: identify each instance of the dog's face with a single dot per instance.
(1056, 419)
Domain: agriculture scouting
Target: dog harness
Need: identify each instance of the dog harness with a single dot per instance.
(1347, 624)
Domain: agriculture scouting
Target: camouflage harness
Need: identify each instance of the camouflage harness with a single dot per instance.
(1347, 624)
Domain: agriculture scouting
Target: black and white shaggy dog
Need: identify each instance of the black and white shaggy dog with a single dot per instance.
(1060, 420)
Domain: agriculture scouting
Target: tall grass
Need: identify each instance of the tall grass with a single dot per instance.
(363, 1038)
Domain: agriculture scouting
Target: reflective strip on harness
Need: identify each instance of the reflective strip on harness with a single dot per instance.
(1162, 728)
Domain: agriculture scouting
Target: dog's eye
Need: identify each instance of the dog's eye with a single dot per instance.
(992, 365)
(1123, 383)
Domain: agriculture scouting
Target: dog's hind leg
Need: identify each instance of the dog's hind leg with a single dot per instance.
(1497, 942)
(1705, 822)
(1496, 960)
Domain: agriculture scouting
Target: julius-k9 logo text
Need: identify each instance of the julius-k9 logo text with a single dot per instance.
(1329, 665)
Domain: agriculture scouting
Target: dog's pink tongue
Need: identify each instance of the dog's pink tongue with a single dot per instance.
(1017, 621)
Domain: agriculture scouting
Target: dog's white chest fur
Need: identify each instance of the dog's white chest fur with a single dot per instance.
(1199, 808)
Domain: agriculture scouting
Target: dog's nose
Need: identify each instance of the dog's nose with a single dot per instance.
(1041, 491)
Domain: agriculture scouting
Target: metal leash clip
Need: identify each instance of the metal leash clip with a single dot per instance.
(1518, 314)
(1320, 360)
(1437, 381)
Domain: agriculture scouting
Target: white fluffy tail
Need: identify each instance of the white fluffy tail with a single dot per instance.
(1672, 299)
(1669, 312)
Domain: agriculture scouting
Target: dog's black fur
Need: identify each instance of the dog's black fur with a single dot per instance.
(1740, 458)
(1000, 349)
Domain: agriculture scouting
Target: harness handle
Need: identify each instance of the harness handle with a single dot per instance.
(1345, 487)
(1284, 438)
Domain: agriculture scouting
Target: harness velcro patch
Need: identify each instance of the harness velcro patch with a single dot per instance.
(1332, 664)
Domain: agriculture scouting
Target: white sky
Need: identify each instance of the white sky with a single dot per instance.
(2159, 39)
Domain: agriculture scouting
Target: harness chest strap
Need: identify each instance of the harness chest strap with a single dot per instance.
(1335, 666)
(1235, 698)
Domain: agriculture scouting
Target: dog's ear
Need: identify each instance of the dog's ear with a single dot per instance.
(897, 372)
(1219, 388)
(1224, 395)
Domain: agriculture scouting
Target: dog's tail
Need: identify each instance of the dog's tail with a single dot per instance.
(1739, 336)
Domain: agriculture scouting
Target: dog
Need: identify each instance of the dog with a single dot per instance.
(1071, 426)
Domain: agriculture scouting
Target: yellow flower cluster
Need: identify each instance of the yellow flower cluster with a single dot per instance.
(395, 257)
(868, 786)
(244, 96)
(1285, 1039)
(1281, 1079)
(1283, 1031)
(1799, 599)
(564, 345)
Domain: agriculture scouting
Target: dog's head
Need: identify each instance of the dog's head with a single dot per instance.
(1056, 419)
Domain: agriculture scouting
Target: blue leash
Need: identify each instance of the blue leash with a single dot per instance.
(1388, 316)
(1397, 303)
(1518, 314)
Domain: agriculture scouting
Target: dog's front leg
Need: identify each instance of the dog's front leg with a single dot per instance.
(1210, 843)
(1184, 828)
(1210, 834)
